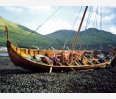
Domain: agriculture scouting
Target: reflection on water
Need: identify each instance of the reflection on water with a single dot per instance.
(3, 54)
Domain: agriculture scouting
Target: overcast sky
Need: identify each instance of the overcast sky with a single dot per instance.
(64, 18)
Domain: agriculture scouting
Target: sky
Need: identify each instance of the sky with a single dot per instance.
(64, 17)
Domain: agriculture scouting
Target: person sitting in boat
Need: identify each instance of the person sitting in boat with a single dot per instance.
(55, 60)
(63, 59)
(44, 60)
(74, 59)
(37, 58)
(49, 60)
(101, 57)
(71, 58)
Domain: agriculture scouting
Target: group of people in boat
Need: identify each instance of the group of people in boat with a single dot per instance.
(60, 59)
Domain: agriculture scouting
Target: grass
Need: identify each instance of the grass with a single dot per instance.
(23, 37)
(3, 51)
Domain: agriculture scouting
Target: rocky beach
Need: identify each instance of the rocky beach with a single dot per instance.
(14, 79)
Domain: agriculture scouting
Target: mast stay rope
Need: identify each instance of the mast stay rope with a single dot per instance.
(47, 18)
(72, 27)
(75, 40)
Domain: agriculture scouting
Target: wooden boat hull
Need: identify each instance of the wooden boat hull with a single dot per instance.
(18, 60)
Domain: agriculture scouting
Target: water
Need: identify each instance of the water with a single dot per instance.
(3, 54)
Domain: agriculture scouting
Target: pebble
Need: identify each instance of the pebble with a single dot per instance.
(16, 80)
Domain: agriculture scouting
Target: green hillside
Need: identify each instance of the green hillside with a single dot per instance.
(22, 36)
(88, 39)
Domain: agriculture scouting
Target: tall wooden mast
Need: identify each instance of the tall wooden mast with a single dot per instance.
(75, 40)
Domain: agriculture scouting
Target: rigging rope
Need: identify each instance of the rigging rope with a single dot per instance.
(88, 20)
(47, 19)
(76, 18)
(72, 27)
(100, 28)
(56, 10)
(75, 40)
(94, 23)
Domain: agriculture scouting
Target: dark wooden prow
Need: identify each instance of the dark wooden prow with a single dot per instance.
(6, 31)
(75, 40)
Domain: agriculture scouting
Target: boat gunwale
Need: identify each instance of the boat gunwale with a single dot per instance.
(56, 66)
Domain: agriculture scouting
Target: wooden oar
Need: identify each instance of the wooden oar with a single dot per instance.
(88, 60)
(73, 70)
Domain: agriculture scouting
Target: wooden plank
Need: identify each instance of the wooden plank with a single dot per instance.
(50, 70)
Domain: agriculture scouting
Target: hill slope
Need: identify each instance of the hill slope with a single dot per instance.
(88, 39)
(22, 36)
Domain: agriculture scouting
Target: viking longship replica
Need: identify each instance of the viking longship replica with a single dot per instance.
(54, 60)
